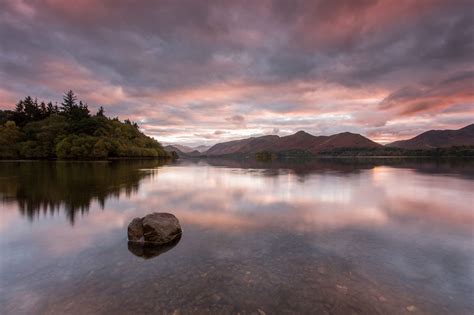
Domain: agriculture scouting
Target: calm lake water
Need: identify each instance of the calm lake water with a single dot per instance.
(330, 237)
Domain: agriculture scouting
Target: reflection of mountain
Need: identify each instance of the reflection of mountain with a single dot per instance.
(462, 167)
(48, 186)
(298, 166)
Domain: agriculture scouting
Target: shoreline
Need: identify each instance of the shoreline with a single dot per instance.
(230, 157)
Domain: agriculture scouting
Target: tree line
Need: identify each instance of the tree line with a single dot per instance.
(42, 130)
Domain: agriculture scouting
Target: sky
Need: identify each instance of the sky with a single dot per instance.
(201, 72)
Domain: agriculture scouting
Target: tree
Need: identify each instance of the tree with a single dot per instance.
(69, 101)
(28, 110)
(19, 108)
(100, 149)
(82, 111)
(10, 136)
(19, 114)
(42, 130)
(43, 110)
(71, 109)
(100, 112)
(31, 109)
(51, 109)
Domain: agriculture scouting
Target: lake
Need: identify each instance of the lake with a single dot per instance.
(321, 236)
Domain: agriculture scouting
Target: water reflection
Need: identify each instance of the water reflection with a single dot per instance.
(338, 237)
(149, 250)
(457, 166)
(47, 187)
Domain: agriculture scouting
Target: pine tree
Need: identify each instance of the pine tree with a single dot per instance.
(100, 112)
(20, 107)
(83, 110)
(69, 102)
(44, 111)
(50, 108)
(31, 109)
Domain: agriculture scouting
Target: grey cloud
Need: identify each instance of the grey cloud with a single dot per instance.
(168, 45)
(157, 47)
(238, 119)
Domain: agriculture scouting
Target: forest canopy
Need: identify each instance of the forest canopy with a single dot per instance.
(45, 131)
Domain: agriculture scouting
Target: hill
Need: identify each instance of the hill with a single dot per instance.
(300, 141)
(44, 131)
(177, 149)
(202, 148)
(182, 148)
(188, 149)
(438, 139)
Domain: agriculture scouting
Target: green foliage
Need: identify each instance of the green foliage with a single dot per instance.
(46, 132)
(174, 155)
(264, 156)
(10, 135)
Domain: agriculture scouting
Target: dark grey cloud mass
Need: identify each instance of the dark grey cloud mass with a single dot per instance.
(247, 67)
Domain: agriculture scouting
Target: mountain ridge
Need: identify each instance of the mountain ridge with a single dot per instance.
(300, 140)
(302, 143)
(175, 148)
(432, 139)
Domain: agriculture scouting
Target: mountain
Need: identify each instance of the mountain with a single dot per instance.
(188, 149)
(181, 154)
(344, 140)
(249, 145)
(301, 140)
(202, 148)
(182, 148)
(438, 139)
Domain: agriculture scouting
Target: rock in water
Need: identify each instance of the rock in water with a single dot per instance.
(160, 228)
(135, 230)
(157, 228)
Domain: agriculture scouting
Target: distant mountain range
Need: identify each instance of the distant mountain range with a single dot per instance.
(438, 139)
(202, 148)
(185, 151)
(305, 143)
(179, 150)
(299, 141)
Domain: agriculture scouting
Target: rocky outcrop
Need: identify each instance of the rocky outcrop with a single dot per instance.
(156, 228)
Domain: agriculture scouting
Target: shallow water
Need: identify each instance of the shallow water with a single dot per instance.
(336, 237)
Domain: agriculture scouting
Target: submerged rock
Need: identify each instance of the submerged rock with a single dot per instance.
(156, 228)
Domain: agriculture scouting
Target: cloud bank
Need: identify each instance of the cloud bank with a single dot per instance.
(195, 72)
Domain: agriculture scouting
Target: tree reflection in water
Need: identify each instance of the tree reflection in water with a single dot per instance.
(47, 186)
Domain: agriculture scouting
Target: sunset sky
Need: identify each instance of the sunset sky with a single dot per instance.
(201, 72)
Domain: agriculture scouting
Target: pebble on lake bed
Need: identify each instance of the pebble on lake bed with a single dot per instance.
(157, 228)
(411, 308)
